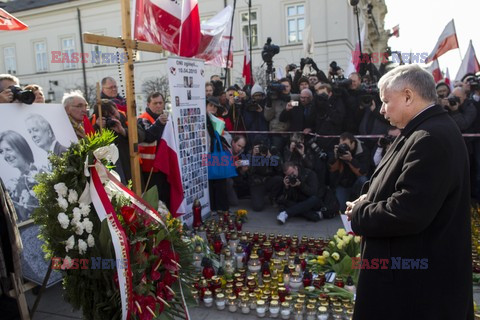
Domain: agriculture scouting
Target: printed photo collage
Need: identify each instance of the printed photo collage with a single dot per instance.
(192, 144)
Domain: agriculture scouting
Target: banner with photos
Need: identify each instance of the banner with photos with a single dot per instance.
(187, 89)
(28, 133)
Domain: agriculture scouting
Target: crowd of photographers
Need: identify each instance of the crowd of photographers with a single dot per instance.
(296, 139)
(309, 124)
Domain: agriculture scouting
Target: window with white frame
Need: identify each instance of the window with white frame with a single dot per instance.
(40, 48)
(10, 60)
(253, 25)
(295, 22)
(68, 47)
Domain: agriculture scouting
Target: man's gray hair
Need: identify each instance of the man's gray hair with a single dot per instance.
(410, 76)
(69, 96)
(104, 80)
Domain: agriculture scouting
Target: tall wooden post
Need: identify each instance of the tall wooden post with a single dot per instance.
(130, 97)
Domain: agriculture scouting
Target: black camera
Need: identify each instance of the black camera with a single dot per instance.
(269, 51)
(305, 61)
(385, 141)
(368, 95)
(24, 96)
(474, 83)
(319, 152)
(252, 106)
(275, 90)
(453, 100)
(217, 88)
(335, 68)
(110, 123)
(292, 179)
(298, 145)
(292, 67)
(343, 149)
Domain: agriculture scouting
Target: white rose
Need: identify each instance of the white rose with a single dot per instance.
(88, 225)
(357, 239)
(72, 196)
(63, 219)
(90, 241)
(79, 228)
(61, 189)
(77, 214)
(109, 153)
(70, 243)
(85, 208)
(82, 246)
(62, 203)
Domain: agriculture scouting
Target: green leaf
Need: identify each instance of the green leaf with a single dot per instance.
(344, 267)
(151, 196)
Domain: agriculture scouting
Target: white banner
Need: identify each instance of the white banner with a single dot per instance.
(187, 90)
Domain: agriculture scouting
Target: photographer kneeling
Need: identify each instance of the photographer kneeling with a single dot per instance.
(348, 168)
(300, 195)
(265, 175)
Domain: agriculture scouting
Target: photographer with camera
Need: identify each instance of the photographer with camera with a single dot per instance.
(296, 114)
(383, 144)
(6, 81)
(348, 168)
(327, 116)
(354, 109)
(265, 175)
(253, 115)
(443, 90)
(300, 194)
(233, 115)
(278, 96)
(461, 109)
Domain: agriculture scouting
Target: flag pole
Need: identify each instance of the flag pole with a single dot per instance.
(250, 38)
(227, 76)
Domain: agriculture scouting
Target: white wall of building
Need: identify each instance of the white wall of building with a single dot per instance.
(332, 22)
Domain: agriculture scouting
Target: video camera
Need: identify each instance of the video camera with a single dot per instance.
(24, 96)
(269, 51)
(369, 93)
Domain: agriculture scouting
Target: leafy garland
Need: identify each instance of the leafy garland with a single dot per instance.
(160, 256)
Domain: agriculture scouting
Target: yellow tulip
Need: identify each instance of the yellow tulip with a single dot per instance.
(341, 232)
(357, 239)
(335, 256)
(326, 254)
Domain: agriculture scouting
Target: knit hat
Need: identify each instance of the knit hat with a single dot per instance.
(257, 89)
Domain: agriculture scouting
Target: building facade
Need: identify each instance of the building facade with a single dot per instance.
(54, 28)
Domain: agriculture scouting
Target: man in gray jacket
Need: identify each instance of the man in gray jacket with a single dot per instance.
(273, 109)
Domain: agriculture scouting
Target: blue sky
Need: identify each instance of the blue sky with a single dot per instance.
(421, 23)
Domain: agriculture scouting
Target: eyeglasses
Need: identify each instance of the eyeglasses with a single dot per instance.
(111, 87)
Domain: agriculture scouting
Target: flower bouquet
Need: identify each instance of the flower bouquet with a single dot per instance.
(337, 255)
(120, 257)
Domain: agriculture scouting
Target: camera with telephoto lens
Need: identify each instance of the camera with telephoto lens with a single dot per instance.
(343, 149)
(385, 141)
(269, 51)
(24, 96)
(335, 68)
(453, 100)
(369, 92)
(292, 67)
(319, 152)
(110, 123)
(292, 179)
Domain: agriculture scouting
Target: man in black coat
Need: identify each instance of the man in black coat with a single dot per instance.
(415, 213)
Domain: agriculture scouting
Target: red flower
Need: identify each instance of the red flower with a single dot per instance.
(144, 307)
(164, 292)
(130, 217)
(168, 279)
(169, 257)
(155, 274)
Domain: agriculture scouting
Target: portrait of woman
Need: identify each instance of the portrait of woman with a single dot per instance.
(17, 153)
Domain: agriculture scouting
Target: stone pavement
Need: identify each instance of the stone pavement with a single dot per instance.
(53, 307)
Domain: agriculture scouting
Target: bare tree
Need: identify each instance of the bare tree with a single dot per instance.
(157, 84)
(90, 95)
(259, 76)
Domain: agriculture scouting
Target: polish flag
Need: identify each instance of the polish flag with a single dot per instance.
(190, 29)
(175, 25)
(396, 31)
(469, 63)
(166, 161)
(446, 42)
(447, 80)
(434, 69)
(10, 23)
(247, 74)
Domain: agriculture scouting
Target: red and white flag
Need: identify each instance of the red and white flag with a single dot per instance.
(175, 25)
(166, 160)
(446, 42)
(247, 74)
(448, 82)
(10, 23)
(434, 69)
(469, 63)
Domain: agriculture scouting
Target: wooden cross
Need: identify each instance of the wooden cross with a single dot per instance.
(129, 44)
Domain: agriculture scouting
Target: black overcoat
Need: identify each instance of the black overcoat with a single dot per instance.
(417, 207)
